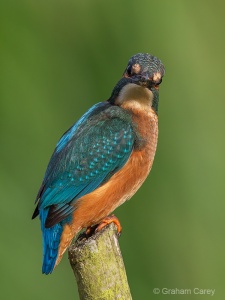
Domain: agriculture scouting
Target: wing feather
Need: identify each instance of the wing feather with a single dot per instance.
(85, 158)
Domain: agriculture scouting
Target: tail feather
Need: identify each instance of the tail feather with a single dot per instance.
(51, 239)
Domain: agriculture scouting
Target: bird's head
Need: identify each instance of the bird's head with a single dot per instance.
(140, 81)
(145, 69)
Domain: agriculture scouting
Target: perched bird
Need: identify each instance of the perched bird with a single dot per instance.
(102, 160)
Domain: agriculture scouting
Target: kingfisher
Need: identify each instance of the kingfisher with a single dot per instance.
(101, 161)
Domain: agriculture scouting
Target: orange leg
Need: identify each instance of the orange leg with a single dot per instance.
(109, 220)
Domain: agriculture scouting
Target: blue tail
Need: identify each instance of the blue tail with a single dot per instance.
(51, 239)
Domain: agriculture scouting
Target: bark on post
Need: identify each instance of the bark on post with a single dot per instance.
(98, 266)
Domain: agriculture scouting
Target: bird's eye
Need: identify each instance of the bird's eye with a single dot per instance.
(128, 71)
(158, 83)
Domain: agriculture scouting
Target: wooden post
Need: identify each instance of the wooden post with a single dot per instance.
(98, 266)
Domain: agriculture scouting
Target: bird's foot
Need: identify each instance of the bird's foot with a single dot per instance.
(108, 220)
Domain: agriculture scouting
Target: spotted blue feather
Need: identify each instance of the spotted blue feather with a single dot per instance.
(86, 157)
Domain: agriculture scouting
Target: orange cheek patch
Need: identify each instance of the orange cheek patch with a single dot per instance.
(157, 76)
(136, 68)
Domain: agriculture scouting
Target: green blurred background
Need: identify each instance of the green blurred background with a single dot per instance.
(60, 57)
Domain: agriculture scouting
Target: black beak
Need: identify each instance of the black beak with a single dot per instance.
(143, 80)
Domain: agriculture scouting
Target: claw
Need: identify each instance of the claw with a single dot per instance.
(88, 230)
(108, 220)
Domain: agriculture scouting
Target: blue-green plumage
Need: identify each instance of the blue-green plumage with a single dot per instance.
(86, 156)
(89, 154)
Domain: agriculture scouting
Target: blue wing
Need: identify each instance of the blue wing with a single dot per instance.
(87, 155)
